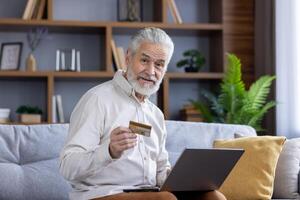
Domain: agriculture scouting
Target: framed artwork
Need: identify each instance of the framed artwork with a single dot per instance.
(10, 55)
(130, 10)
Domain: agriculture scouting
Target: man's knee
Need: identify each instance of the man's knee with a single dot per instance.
(213, 195)
(166, 196)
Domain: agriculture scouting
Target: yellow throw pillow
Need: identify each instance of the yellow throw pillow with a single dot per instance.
(252, 178)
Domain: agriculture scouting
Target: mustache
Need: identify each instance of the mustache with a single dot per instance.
(147, 77)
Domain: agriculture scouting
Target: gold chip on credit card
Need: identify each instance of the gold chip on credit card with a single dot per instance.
(139, 128)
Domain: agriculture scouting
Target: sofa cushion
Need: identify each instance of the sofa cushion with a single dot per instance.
(29, 162)
(183, 135)
(286, 183)
(287, 171)
(255, 171)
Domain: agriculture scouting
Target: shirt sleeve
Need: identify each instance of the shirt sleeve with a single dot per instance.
(163, 164)
(84, 151)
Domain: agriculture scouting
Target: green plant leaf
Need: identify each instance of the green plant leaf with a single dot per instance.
(216, 107)
(233, 72)
(257, 95)
(24, 109)
(256, 119)
(191, 52)
(200, 61)
(232, 88)
(182, 63)
(235, 104)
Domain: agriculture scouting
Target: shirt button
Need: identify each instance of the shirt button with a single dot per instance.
(145, 158)
(146, 177)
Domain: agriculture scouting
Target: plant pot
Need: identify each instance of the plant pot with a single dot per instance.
(190, 69)
(30, 118)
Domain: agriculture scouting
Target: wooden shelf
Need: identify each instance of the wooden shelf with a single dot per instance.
(104, 74)
(199, 75)
(90, 74)
(202, 26)
(173, 29)
(13, 74)
(74, 23)
(54, 26)
(21, 22)
(211, 33)
(96, 26)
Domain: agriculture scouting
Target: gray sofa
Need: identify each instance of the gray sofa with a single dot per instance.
(29, 155)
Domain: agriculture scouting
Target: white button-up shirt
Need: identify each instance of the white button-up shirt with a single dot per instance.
(85, 159)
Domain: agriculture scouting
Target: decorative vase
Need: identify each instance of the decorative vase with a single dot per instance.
(31, 63)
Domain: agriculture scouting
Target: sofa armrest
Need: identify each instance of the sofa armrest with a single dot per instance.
(299, 182)
(286, 184)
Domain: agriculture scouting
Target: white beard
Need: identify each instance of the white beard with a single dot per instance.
(147, 89)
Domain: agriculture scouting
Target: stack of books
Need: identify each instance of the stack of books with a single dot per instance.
(34, 9)
(190, 113)
(57, 109)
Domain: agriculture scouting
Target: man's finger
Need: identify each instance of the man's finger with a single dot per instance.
(126, 141)
(127, 146)
(124, 136)
(120, 130)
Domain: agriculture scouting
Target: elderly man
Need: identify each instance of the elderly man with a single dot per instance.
(102, 156)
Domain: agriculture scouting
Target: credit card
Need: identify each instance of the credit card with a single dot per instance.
(140, 128)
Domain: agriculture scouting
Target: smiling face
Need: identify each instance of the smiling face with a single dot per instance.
(146, 67)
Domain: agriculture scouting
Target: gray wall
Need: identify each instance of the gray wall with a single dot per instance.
(16, 92)
(92, 56)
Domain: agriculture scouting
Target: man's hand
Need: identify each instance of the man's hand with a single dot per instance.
(121, 139)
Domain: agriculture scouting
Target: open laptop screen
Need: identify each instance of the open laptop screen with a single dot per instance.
(201, 169)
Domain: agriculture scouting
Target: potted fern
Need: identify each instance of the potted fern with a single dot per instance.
(235, 104)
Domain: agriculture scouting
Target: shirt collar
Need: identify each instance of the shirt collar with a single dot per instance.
(123, 83)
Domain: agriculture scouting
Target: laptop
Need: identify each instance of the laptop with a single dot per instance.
(198, 170)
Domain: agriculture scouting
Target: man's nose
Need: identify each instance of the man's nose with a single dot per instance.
(151, 68)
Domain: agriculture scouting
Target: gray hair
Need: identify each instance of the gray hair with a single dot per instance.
(153, 35)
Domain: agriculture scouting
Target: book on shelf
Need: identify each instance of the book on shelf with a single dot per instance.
(174, 11)
(41, 9)
(115, 54)
(28, 9)
(54, 109)
(122, 58)
(34, 9)
(78, 65)
(61, 117)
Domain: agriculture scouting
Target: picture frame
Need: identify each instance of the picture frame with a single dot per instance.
(10, 55)
(130, 10)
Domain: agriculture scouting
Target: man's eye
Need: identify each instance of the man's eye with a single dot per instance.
(144, 61)
(159, 65)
